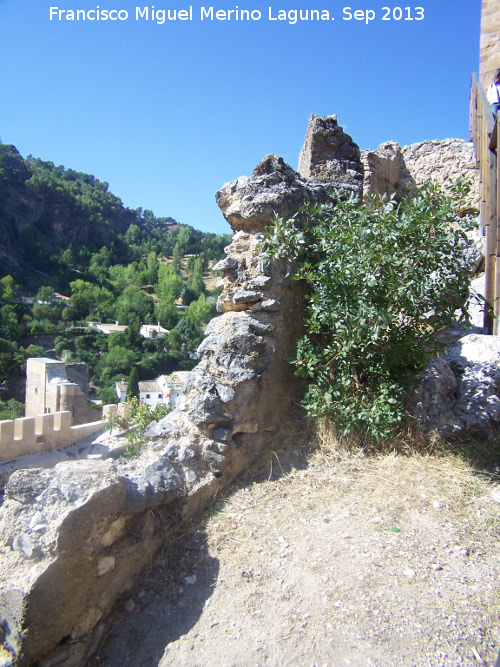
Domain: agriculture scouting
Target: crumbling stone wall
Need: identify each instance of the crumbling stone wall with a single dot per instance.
(385, 171)
(442, 160)
(392, 169)
(72, 538)
(329, 155)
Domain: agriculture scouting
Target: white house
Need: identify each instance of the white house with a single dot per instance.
(153, 331)
(165, 389)
(151, 393)
(107, 328)
(171, 385)
(121, 390)
(146, 330)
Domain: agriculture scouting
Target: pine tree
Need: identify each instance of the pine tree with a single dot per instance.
(176, 259)
(133, 384)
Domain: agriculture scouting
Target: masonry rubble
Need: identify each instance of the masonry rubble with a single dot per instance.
(459, 394)
(73, 537)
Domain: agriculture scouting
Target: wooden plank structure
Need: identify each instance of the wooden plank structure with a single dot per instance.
(484, 133)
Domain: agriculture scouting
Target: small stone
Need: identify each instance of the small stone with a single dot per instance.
(436, 567)
(225, 264)
(495, 494)
(269, 305)
(130, 605)
(410, 574)
(227, 394)
(259, 281)
(246, 296)
(184, 454)
(436, 504)
(38, 522)
(71, 492)
(23, 543)
(190, 581)
(105, 565)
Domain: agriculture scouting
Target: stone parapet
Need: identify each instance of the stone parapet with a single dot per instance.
(43, 433)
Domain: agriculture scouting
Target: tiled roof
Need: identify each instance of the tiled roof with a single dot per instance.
(150, 386)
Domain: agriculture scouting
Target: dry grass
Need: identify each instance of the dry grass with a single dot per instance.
(300, 557)
(411, 471)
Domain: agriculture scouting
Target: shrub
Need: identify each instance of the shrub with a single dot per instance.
(140, 416)
(11, 409)
(381, 279)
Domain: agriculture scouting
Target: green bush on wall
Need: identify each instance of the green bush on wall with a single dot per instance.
(381, 279)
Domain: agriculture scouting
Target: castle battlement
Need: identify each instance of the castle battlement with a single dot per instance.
(43, 433)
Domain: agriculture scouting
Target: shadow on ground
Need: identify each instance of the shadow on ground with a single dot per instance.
(161, 608)
(167, 602)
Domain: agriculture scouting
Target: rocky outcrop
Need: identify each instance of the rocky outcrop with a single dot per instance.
(243, 385)
(37, 219)
(460, 392)
(72, 538)
(385, 171)
(274, 189)
(392, 169)
(329, 155)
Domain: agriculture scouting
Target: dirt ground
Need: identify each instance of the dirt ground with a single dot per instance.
(328, 557)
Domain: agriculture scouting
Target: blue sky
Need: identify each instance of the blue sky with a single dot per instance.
(167, 113)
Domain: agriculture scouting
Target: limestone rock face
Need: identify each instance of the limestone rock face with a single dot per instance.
(329, 155)
(274, 188)
(440, 161)
(71, 539)
(385, 171)
(237, 392)
(460, 392)
(489, 44)
(392, 169)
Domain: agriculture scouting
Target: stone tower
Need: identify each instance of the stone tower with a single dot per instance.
(52, 386)
(490, 40)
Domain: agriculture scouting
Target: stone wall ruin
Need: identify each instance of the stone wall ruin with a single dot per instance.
(490, 41)
(73, 537)
(392, 169)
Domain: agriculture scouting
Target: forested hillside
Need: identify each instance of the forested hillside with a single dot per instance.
(53, 219)
(71, 245)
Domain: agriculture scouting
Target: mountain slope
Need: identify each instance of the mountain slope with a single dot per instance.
(44, 209)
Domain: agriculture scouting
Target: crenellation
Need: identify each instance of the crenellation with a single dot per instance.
(24, 431)
(43, 433)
